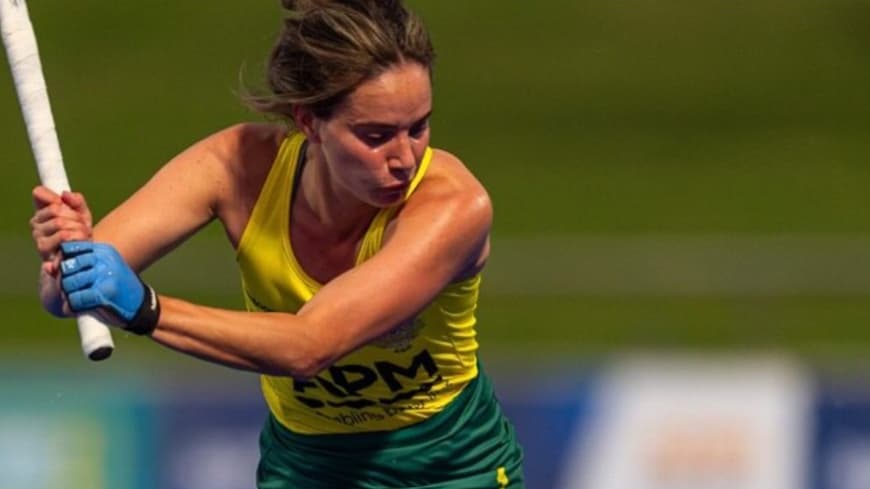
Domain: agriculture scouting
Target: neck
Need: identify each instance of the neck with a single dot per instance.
(340, 213)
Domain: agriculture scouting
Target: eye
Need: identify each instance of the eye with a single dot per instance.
(418, 129)
(374, 136)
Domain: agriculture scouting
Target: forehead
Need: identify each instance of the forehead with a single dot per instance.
(400, 94)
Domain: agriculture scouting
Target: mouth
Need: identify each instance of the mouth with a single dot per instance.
(393, 193)
(401, 187)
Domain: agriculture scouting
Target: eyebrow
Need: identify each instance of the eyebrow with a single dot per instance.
(384, 125)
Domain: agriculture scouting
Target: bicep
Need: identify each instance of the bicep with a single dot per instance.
(177, 201)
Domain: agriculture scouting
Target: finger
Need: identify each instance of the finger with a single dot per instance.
(59, 222)
(83, 300)
(58, 225)
(77, 263)
(57, 228)
(51, 265)
(49, 268)
(75, 248)
(43, 196)
(48, 246)
(48, 238)
(49, 212)
(60, 210)
(73, 199)
(76, 201)
(78, 281)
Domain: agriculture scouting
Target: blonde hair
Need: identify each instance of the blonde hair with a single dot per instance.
(327, 48)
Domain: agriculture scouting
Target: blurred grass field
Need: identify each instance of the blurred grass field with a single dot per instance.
(628, 121)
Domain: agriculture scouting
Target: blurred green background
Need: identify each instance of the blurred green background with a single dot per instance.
(666, 175)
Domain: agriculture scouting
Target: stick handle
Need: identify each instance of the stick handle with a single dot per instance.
(23, 55)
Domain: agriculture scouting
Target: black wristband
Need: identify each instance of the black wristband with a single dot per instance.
(145, 320)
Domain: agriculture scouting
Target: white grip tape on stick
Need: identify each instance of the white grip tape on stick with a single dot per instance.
(23, 56)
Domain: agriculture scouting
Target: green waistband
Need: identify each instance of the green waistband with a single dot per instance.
(475, 401)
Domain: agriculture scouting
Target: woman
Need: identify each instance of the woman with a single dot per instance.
(360, 250)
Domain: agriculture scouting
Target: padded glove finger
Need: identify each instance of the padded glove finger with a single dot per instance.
(84, 300)
(77, 263)
(78, 281)
(75, 248)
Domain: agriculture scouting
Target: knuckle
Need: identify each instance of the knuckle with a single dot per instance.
(43, 242)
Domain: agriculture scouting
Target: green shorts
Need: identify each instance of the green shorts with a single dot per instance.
(469, 445)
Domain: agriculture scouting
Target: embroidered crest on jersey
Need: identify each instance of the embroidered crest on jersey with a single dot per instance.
(400, 338)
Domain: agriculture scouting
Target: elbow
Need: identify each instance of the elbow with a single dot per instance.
(307, 368)
(302, 346)
(308, 358)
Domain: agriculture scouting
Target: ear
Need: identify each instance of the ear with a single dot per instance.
(307, 122)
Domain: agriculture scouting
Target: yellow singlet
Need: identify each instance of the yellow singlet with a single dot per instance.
(397, 380)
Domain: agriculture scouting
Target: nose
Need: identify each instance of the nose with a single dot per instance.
(402, 160)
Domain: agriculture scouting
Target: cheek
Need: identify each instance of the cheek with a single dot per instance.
(340, 150)
(421, 144)
(420, 147)
(354, 163)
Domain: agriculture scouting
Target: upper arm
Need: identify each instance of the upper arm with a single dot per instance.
(440, 232)
(183, 196)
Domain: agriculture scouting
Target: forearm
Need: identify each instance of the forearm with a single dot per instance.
(269, 343)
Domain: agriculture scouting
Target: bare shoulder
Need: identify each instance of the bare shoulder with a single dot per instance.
(235, 149)
(246, 148)
(245, 153)
(450, 209)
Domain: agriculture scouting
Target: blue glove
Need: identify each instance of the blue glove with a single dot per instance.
(94, 275)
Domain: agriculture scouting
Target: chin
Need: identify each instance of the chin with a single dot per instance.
(384, 200)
